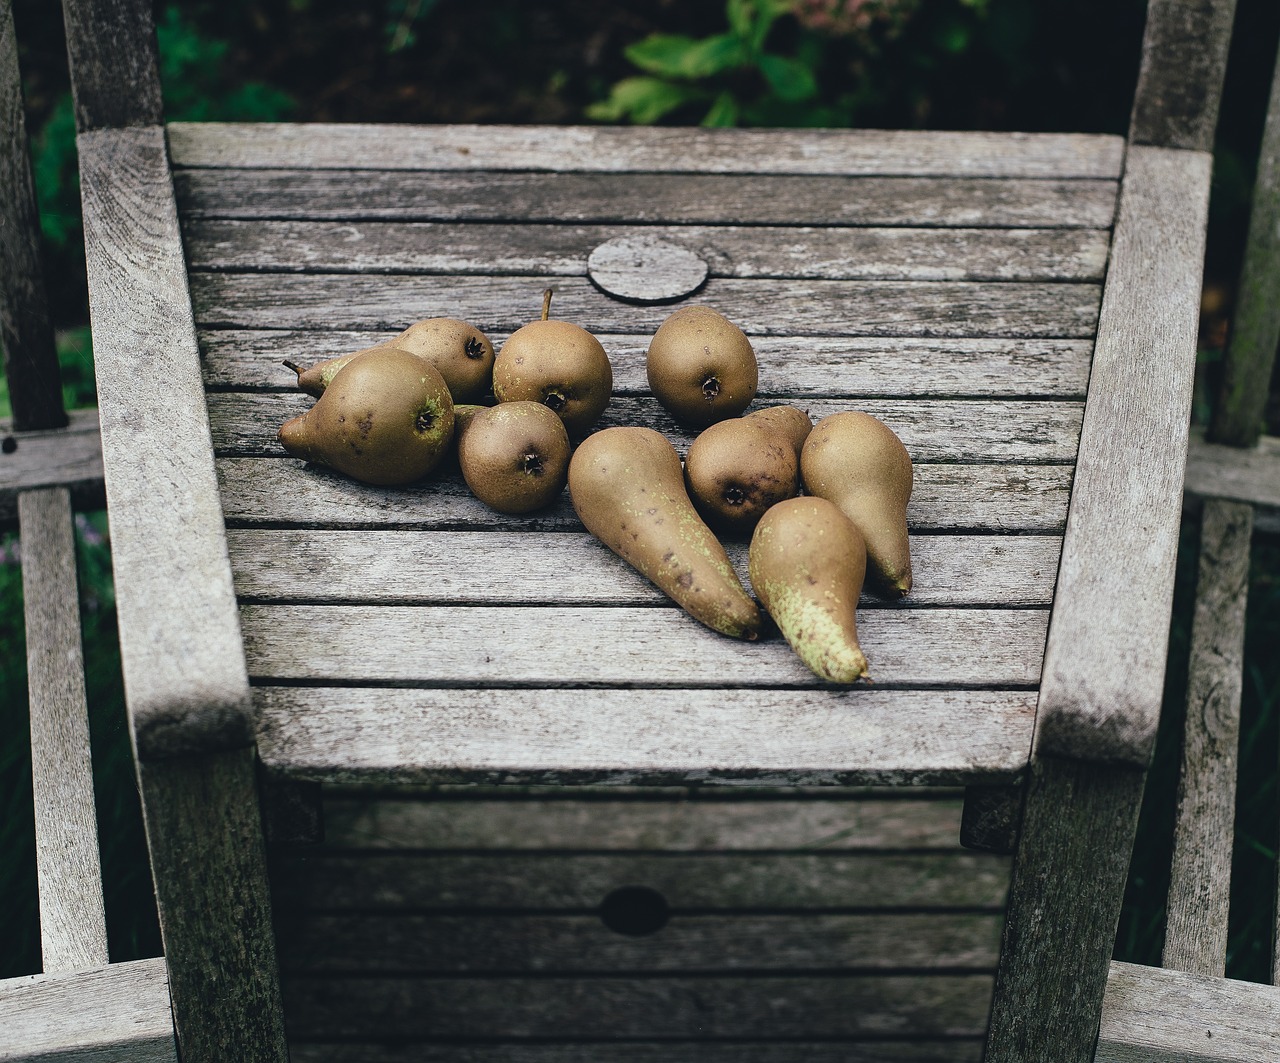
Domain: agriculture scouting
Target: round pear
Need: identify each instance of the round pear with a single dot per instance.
(386, 418)
(701, 366)
(461, 352)
(514, 456)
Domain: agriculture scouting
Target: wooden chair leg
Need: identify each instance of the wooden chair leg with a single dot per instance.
(1064, 906)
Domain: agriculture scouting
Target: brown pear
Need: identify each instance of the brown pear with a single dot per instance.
(559, 364)
(701, 366)
(738, 468)
(514, 456)
(628, 490)
(856, 461)
(807, 562)
(386, 418)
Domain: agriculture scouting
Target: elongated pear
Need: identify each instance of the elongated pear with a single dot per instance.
(807, 562)
(628, 490)
(857, 462)
(738, 468)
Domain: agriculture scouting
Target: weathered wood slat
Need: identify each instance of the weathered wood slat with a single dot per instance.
(450, 645)
(183, 667)
(73, 922)
(1200, 879)
(961, 430)
(670, 824)
(622, 1008)
(1243, 475)
(794, 366)
(114, 73)
(506, 147)
(562, 250)
(101, 1015)
(562, 568)
(956, 1050)
(1030, 498)
(763, 737)
(1064, 310)
(578, 944)
(415, 882)
(68, 457)
(1104, 666)
(1151, 1015)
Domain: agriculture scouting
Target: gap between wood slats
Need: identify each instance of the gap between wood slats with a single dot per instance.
(791, 367)
(1010, 309)
(836, 253)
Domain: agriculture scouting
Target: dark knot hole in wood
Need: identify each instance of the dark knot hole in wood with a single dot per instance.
(636, 911)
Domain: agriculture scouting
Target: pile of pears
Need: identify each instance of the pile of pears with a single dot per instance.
(824, 505)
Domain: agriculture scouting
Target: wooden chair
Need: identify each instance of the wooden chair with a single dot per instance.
(1020, 308)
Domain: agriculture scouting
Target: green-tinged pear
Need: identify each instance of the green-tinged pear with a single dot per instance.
(807, 561)
(856, 461)
(738, 468)
(386, 418)
(628, 490)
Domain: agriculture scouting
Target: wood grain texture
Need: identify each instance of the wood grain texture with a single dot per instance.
(951, 1050)
(73, 922)
(1104, 665)
(26, 329)
(794, 367)
(100, 1015)
(61, 457)
(1027, 498)
(1064, 904)
(1200, 879)
(1238, 415)
(833, 253)
(204, 831)
(795, 307)
(644, 268)
(180, 642)
(565, 568)
(1151, 1015)
(1250, 475)
(115, 76)
(499, 147)
(669, 737)
(1184, 59)
(628, 199)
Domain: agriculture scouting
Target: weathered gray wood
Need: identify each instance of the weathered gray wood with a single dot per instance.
(61, 457)
(791, 367)
(668, 825)
(992, 818)
(564, 568)
(577, 944)
(1200, 880)
(103, 1015)
(1105, 660)
(627, 199)
(618, 1008)
(1255, 329)
(204, 831)
(1152, 1015)
(796, 307)
(955, 1050)
(451, 645)
(953, 430)
(115, 77)
(1240, 474)
(26, 329)
(1064, 904)
(833, 252)
(183, 667)
(1031, 498)
(670, 737)
(643, 268)
(559, 148)
(73, 922)
(1184, 59)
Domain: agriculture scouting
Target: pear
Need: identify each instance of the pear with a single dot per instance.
(559, 364)
(701, 366)
(628, 490)
(807, 561)
(459, 350)
(856, 461)
(385, 418)
(738, 468)
(514, 456)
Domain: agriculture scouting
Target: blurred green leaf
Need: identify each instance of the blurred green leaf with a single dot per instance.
(790, 79)
(724, 112)
(673, 55)
(642, 100)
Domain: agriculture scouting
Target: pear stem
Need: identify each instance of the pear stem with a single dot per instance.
(546, 304)
(294, 366)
